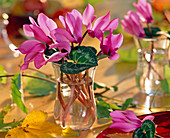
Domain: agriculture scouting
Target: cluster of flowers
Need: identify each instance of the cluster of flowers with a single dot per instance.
(132, 21)
(51, 44)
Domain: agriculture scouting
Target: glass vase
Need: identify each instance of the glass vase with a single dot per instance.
(152, 58)
(75, 102)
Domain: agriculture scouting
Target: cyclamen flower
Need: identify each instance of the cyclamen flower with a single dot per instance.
(34, 51)
(41, 32)
(132, 25)
(144, 10)
(100, 25)
(126, 120)
(110, 45)
(73, 24)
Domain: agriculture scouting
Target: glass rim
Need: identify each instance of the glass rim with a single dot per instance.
(150, 39)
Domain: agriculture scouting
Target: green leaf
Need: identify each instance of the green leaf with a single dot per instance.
(103, 110)
(115, 88)
(39, 87)
(147, 130)
(83, 57)
(16, 94)
(127, 103)
(167, 71)
(138, 80)
(165, 86)
(128, 55)
(114, 107)
(2, 72)
(154, 31)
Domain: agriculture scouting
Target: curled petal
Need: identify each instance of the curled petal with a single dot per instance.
(28, 30)
(101, 23)
(32, 21)
(126, 127)
(150, 117)
(24, 66)
(112, 25)
(46, 24)
(56, 57)
(88, 16)
(31, 46)
(62, 45)
(125, 120)
(39, 60)
(40, 35)
(60, 35)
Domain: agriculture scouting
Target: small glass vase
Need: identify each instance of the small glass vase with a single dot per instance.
(75, 103)
(152, 58)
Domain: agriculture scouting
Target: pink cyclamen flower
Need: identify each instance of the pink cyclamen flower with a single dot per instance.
(73, 24)
(100, 25)
(131, 24)
(126, 120)
(144, 10)
(110, 45)
(34, 52)
(41, 32)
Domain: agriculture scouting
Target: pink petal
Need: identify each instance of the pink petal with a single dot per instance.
(70, 20)
(40, 35)
(150, 117)
(77, 33)
(88, 16)
(24, 66)
(112, 25)
(28, 30)
(62, 45)
(46, 23)
(39, 60)
(62, 19)
(126, 127)
(32, 21)
(60, 35)
(101, 22)
(56, 57)
(114, 57)
(31, 46)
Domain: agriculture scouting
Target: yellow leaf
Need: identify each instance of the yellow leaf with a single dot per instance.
(35, 119)
(15, 133)
(35, 126)
(68, 132)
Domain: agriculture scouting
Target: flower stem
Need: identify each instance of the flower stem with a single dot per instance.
(31, 76)
(83, 37)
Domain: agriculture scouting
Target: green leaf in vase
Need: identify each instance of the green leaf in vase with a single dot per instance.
(16, 94)
(2, 72)
(83, 58)
(147, 130)
(154, 31)
(33, 85)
